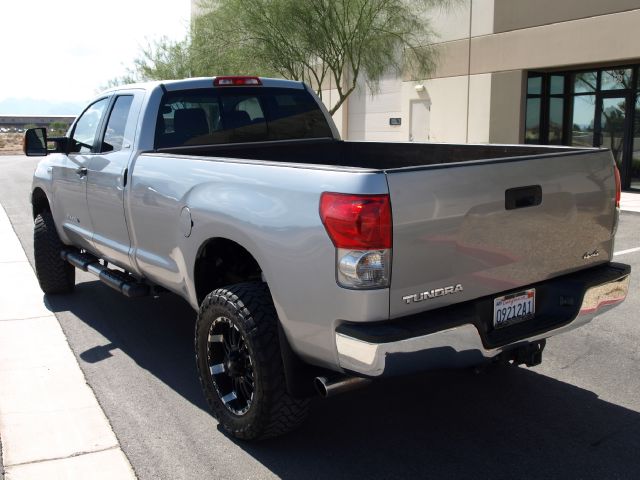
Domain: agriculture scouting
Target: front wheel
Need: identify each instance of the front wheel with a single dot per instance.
(54, 274)
(240, 366)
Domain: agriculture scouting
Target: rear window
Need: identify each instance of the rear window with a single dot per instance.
(236, 115)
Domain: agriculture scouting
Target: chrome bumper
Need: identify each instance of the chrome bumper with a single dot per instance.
(460, 346)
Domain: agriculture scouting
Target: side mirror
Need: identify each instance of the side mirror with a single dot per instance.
(35, 142)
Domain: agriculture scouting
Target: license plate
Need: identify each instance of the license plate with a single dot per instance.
(514, 308)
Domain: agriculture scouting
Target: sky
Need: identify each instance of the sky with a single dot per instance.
(55, 55)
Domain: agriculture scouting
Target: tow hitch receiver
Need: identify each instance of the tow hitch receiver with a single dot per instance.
(529, 355)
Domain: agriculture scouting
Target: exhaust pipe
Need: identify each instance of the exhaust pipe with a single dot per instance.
(330, 386)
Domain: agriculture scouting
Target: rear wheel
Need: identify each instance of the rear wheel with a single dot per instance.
(54, 274)
(240, 365)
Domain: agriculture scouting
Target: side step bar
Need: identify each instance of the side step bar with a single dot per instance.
(116, 279)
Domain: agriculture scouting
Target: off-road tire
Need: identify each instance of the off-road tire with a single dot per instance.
(273, 411)
(54, 274)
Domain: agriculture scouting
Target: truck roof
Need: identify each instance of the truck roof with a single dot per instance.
(201, 82)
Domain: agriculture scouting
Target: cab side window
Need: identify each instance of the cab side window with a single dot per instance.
(84, 133)
(114, 134)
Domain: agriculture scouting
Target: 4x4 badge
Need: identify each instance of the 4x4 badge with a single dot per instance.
(589, 255)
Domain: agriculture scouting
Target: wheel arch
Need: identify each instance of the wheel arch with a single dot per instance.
(39, 202)
(220, 261)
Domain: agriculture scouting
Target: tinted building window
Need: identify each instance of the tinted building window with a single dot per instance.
(532, 131)
(534, 85)
(556, 86)
(616, 79)
(556, 120)
(545, 118)
(582, 120)
(534, 111)
(593, 108)
(585, 82)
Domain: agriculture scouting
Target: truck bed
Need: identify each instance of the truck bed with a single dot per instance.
(369, 155)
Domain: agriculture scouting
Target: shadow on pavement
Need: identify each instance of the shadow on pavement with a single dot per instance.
(156, 333)
(505, 423)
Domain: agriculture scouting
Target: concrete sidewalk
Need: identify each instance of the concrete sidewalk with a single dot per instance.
(51, 424)
(630, 202)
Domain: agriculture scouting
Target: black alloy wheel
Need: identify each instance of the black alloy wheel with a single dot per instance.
(230, 366)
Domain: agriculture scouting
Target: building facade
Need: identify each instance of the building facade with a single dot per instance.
(518, 71)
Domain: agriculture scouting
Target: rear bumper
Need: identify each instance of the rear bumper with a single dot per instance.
(462, 335)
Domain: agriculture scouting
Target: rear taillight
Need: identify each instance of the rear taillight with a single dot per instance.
(236, 81)
(360, 228)
(618, 185)
(357, 221)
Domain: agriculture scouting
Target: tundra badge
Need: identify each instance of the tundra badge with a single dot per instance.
(436, 292)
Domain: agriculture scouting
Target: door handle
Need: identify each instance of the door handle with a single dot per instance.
(522, 197)
(82, 171)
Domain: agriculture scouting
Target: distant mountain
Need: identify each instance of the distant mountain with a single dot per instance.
(32, 106)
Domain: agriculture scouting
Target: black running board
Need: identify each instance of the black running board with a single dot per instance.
(123, 282)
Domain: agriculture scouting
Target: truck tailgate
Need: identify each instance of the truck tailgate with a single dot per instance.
(463, 231)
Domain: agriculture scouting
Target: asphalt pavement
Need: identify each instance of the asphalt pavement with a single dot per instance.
(575, 416)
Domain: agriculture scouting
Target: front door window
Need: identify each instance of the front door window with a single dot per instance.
(86, 128)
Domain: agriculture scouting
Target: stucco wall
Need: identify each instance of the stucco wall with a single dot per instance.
(485, 48)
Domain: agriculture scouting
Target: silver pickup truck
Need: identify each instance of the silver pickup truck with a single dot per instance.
(315, 263)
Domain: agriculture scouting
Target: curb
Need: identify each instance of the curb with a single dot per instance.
(629, 212)
(51, 424)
